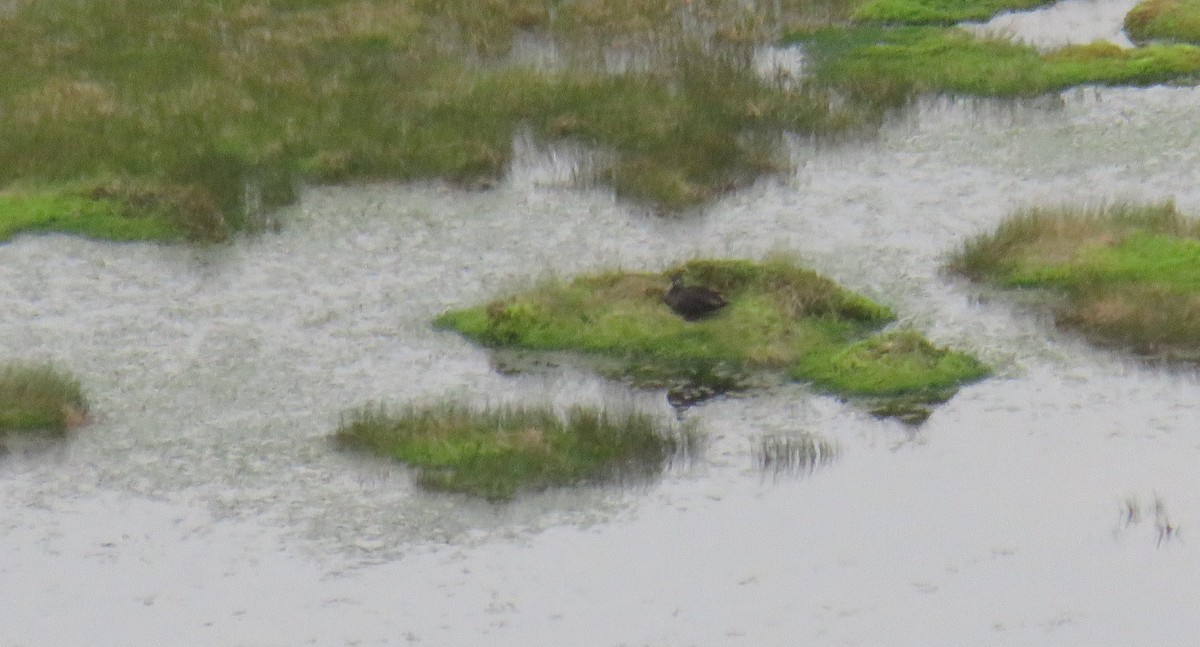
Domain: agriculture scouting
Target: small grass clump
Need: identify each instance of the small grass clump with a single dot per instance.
(1129, 274)
(780, 317)
(890, 65)
(497, 451)
(35, 398)
(1165, 20)
(893, 363)
(937, 12)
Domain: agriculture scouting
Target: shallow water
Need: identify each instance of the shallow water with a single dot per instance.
(1067, 22)
(205, 507)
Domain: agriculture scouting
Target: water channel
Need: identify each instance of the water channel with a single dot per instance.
(205, 506)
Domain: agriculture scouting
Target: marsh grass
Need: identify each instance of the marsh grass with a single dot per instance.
(207, 103)
(937, 12)
(497, 451)
(793, 454)
(42, 399)
(1130, 273)
(1170, 20)
(780, 318)
(888, 66)
(899, 363)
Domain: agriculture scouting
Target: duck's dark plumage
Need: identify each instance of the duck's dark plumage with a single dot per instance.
(692, 302)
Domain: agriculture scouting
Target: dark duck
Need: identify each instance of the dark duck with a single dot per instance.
(692, 302)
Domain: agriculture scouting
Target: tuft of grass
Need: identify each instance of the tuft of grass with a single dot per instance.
(887, 66)
(937, 12)
(497, 451)
(799, 454)
(39, 398)
(1167, 20)
(895, 363)
(1129, 273)
(780, 317)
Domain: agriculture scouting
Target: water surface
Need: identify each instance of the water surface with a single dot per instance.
(205, 506)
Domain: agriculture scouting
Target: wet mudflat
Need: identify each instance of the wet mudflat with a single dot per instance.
(206, 506)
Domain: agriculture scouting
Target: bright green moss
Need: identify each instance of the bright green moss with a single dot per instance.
(894, 363)
(77, 214)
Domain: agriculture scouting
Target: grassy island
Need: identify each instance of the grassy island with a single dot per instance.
(496, 452)
(780, 318)
(887, 65)
(39, 399)
(1124, 275)
(1169, 20)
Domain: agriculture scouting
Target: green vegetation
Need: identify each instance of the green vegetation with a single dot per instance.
(495, 452)
(893, 363)
(1129, 275)
(780, 317)
(115, 211)
(937, 12)
(1177, 20)
(39, 398)
(889, 65)
(219, 109)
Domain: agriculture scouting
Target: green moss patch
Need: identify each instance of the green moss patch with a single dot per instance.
(1129, 275)
(116, 210)
(780, 317)
(496, 452)
(1176, 20)
(39, 399)
(937, 12)
(889, 65)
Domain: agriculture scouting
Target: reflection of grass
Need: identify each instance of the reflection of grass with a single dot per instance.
(39, 398)
(1131, 273)
(1177, 20)
(780, 317)
(497, 451)
(219, 102)
(888, 65)
(797, 454)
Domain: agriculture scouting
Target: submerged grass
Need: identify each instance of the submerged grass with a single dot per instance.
(794, 454)
(36, 398)
(780, 317)
(1130, 273)
(889, 65)
(1172, 20)
(231, 103)
(498, 451)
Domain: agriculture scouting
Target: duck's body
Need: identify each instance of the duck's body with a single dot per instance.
(692, 302)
